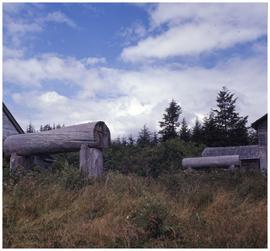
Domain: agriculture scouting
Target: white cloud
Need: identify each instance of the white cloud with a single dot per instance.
(59, 17)
(12, 53)
(94, 60)
(193, 29)
(128, 99)
(34, 71)
(52, 98)
(133, 32)
(22, 21)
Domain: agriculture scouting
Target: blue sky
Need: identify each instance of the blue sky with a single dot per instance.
(122, 63)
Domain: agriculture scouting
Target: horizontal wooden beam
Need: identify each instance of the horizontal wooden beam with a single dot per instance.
(216, 161)
(67, 139)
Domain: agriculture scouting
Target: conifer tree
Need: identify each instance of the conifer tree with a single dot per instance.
(30, 128)
(144, 137)
(210, 130)
(47, 127)
(170, 122)
(252, 137)
(197, 132)
(124, 141)
(131, 140)
(154, 140)
(232, 130)
(184, 131)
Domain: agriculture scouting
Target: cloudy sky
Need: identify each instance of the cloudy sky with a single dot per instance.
(123, 63)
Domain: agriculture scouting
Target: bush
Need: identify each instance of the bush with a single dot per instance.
(154, 218)
(150, 160)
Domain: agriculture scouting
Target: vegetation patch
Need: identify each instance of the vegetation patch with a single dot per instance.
(202, 209)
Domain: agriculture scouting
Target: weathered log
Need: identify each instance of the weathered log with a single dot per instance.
(91, 161)
(217, 161)
(67, 139)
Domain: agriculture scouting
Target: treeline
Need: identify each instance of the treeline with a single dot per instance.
(30, 128)
(222, 127)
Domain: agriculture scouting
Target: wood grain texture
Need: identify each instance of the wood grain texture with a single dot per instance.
(20, 162)
(91, 161)
(67, 139)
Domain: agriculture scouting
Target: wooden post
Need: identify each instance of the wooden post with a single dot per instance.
(17, 161)
(91, 161)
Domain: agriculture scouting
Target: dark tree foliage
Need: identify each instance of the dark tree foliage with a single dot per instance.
(210, 130)
(131, 140)
(124, 141)
(184, 134)
(47, 127)
(144, 138)
(117, 142)
(30, 128)
(154, 140)
(231, 128)
(252, 136)
(197, 134)
(170, 122)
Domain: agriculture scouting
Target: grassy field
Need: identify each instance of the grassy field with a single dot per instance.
(199, 209)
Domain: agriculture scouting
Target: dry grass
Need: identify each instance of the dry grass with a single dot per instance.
(215, 209)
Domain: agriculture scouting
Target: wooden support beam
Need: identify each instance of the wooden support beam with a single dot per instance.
(91, 161)
(20, 162)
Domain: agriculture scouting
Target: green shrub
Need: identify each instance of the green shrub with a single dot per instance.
(154, 218)
(150, 160)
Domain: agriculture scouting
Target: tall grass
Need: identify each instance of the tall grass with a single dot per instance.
(200, 209)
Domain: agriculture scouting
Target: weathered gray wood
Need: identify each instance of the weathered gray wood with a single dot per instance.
(91, 161)
(217, 161)
(20, 162)
(263, 160)
(8, 127)
(67, 139)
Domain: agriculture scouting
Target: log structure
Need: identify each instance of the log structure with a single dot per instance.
(89, 138)
(218, 161)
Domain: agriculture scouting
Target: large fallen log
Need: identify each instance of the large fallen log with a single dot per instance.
(217, 161)
(67, 139)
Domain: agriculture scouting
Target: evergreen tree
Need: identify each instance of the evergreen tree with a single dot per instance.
(170, 122)
(30, 128)
(209, 130)
(131, 140)
(47, 127)
(116, 142)
(231, 127)
(252, 137)
(154, 140)
(144, 137)
(197, 132)
(185, 134)
(124, 141)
